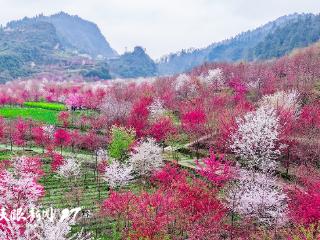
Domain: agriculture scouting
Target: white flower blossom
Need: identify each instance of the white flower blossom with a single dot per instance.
(258, 196)
(70, 168)
(286, 100)
(102, 155)
(255, 140)
(49, 130)
(118, 174)
(156, 109)
(214, 76)
(115, 109)
(18, 191)
(146, 158)
(181, 80)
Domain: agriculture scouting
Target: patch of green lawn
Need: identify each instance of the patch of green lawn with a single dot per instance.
(37, 114)
(4, 155)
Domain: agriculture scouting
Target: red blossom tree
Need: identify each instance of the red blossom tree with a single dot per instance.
(194, 123)
(61, 138)
(20, 132)
(56, 162)
(182, 203)
(138, 118)
(161, 129)
(64, 118)
(40, 137)
(215, 169)
(304, 204)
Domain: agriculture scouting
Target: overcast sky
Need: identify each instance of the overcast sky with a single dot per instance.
(163, 26)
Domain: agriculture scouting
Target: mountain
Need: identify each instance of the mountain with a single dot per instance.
(73, 45)
(74, 33)
(28, 44)
(273, 39)
(298, 33)
(67, 44)
(133, 64)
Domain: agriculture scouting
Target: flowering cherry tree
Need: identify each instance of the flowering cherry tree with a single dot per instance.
(49, 131)
(215, 169)
(214, 76)
(117, 174)
(181, 81)
(19, 135)
(156, 109)
(305, 200)
(102, 155)
(63, 118)
(255, 140)
(194, 123)
(74, 101)
(62, 138)
(162, 129)
(146, 158)
(70, 168)
(115, 109)
(56, 162)
(285, 100)
(40, 136)
(19, 191)
(28, 167)
(258, 196)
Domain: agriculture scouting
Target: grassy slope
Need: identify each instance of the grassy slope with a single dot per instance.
(37, 114)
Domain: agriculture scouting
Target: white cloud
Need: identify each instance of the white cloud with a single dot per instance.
(163, 26)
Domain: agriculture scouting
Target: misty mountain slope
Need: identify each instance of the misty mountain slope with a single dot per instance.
(81, 34)
(251, 45)
(75, 34)
(297, 33)
(25, 44)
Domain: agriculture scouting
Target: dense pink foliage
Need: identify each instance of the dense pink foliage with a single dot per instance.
(185, 203)
(305, 204)
(161, 129)
(62, 137)
(215, 169)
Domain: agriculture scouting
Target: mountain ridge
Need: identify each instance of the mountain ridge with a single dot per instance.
(237, 48)
(75, 33)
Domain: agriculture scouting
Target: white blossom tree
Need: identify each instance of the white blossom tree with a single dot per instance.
(55, 230)
(156, 109)
(49, 130)
(256, 139)
(281, 99)
(214, 76)
(102, 155)
(258, 196)
(70, 168)
(146, 158)
(118, 174)
(19, 191)
(181, 81)
(115, 109)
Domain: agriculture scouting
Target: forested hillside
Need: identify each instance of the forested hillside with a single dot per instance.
(273, 39)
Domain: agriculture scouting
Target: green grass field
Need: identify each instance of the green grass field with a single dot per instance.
(46, 105)
(37, 114)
